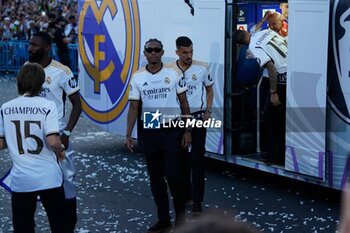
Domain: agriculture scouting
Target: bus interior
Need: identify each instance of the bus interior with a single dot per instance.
(246, 131)
(246, 91)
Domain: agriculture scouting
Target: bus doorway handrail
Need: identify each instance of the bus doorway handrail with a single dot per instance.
(258, 149)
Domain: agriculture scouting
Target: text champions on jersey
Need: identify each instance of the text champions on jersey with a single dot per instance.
(25, 110)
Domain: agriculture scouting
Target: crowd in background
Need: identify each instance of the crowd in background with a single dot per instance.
(21, 18)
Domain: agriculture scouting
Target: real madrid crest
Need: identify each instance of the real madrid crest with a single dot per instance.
(48, 80)
(194, 77)
(108, 73)
(340, 40)
(167, 80)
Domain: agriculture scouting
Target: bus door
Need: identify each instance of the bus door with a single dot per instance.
(246, 91)
(307, 87)
(210, 41)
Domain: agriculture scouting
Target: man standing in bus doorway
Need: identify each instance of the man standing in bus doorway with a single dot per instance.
(60, 83)
(162, 92)
(200, 98)
(270, 51)
(277, 24)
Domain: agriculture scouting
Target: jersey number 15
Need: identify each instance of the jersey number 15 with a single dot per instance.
(27, 134)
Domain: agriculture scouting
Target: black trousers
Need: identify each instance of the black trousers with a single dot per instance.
(193, 166)
(70, 213)
(162, 149)
(24, 206)
(275, 117)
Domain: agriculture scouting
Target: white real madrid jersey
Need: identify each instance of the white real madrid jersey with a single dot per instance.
(267, 46)
(158, 91)
(59, 82)
(197, 78)
(25, 122)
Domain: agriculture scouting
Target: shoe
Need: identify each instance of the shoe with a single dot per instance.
(160, 227)
(189, 202)
(196, 208)
(179, 220)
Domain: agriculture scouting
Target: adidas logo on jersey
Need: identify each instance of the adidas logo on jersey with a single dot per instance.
(145, 84)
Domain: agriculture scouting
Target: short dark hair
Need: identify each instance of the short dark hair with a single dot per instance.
(238, 36)
(44, 36)
(154, 40)
(183, 41)
(30, 79)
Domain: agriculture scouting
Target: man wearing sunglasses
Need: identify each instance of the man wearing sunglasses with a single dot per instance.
(200, 98)
(162, 93)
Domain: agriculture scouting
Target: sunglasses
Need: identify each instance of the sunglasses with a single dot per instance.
(150, 50)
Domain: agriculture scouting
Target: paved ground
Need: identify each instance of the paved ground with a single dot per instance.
(114, 193)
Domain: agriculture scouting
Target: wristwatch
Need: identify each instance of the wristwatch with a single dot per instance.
(66, 132)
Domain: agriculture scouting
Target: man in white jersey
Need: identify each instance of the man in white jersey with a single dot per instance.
(270, 51)
(200, 99)
(162, 92)
(59, 84)
(29, 128)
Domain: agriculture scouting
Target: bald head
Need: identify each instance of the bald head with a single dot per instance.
(275, 21)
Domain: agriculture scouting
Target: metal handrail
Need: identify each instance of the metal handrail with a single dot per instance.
(258, 150)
